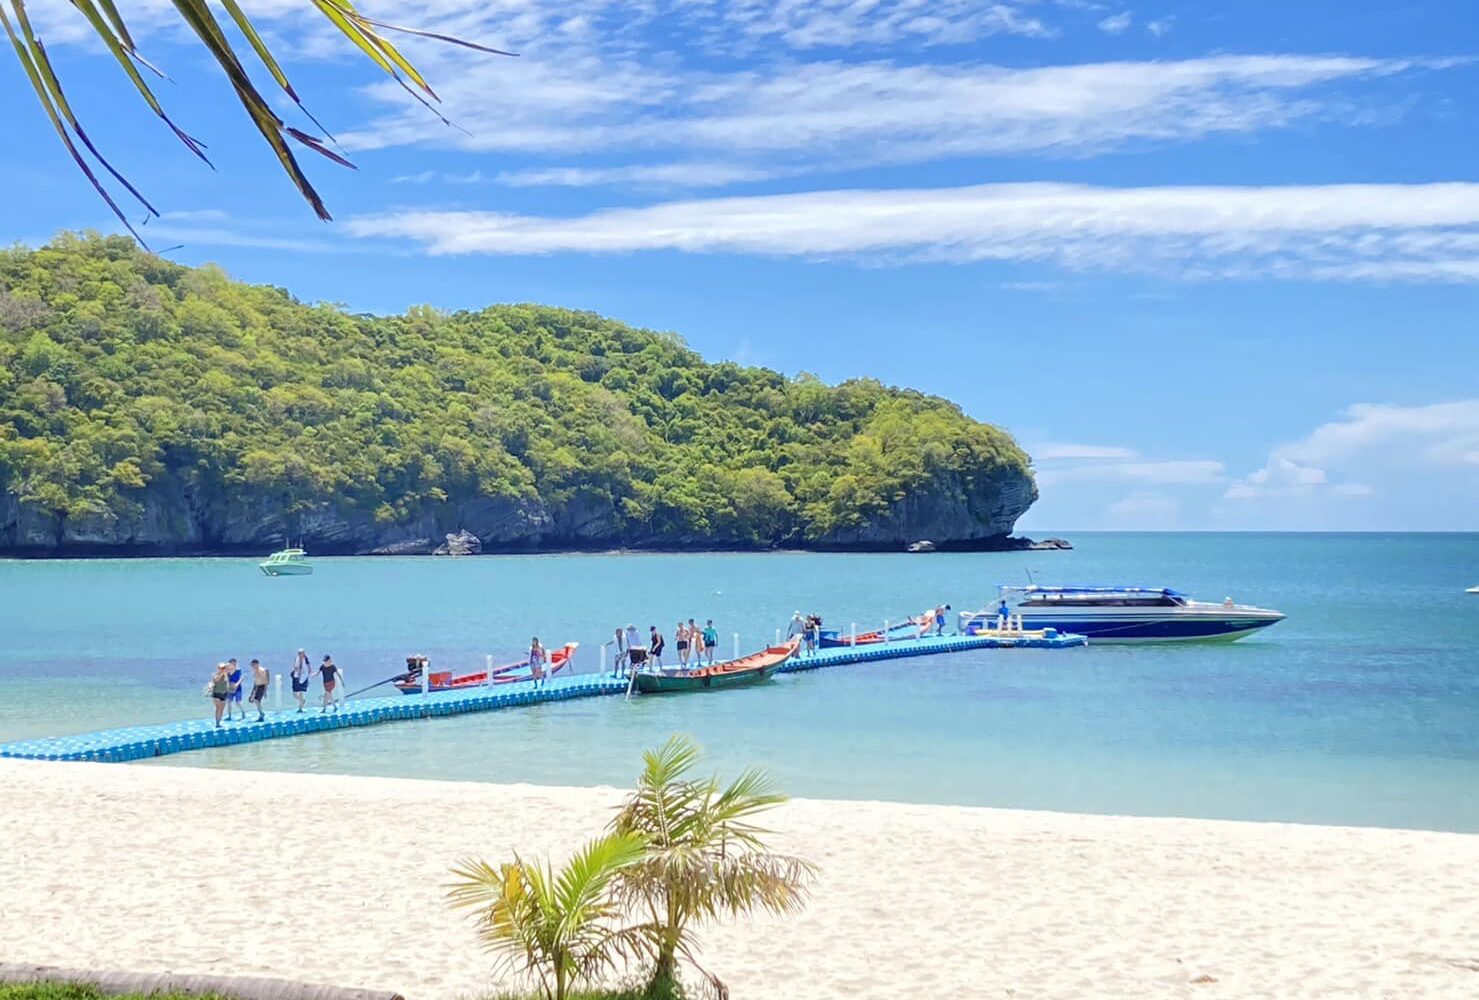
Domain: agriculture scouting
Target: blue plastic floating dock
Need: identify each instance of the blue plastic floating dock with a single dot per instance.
(141, 742)
(895, 649)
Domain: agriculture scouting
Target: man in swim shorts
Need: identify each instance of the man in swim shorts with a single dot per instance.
(260, 679)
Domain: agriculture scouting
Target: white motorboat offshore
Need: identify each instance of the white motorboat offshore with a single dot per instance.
(1123, 614)
(1472, 590)
(288, 562)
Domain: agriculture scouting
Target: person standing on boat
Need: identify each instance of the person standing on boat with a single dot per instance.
(330, 675)
(711, 640)
(619, 641)
(695, 644)
(680, 639)
(301, 673)
(260, 679)
(220, 691)
(233, 674)
(536, 662)
(634, 644)
(655, 645)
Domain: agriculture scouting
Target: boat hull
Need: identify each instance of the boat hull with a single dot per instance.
(505, 674)
(286, 569)
(673, 683)
(1151, 628)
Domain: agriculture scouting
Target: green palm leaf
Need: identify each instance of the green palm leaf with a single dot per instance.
(107, 23)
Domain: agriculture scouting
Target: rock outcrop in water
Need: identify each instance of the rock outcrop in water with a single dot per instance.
(148, 408)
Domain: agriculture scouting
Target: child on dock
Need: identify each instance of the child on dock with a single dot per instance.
(233, 674)
(260, 679)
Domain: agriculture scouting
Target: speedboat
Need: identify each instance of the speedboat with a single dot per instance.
(1125, 614)
(1472, 590)
(288, 562)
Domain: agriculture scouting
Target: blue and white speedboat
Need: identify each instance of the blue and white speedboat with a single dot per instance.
(1124, 614)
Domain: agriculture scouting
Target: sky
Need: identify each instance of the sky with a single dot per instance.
(1215, 265)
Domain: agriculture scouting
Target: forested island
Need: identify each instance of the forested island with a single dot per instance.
(149, 408)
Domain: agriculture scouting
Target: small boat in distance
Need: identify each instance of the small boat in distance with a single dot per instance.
(1472, 590)
(1125, 614)
(445, 680)
(752, 669)
(288, 562)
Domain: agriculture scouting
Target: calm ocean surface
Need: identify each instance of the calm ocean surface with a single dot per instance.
(1362, 708)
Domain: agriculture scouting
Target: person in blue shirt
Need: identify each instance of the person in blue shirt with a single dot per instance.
(233, 674)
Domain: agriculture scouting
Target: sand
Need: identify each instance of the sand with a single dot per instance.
(339, 880)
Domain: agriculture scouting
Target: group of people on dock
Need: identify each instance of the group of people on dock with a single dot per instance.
(693, 644)
(227, 685)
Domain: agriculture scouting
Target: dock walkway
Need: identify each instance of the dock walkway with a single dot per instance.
(141, 742)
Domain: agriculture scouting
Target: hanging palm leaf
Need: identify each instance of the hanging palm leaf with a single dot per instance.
(106, 22)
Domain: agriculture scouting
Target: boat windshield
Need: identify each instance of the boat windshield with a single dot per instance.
(1102, 601)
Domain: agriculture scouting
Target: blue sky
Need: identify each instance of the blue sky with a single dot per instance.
(1216, 265)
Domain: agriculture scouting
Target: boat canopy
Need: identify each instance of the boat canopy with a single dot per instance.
(1037, 589)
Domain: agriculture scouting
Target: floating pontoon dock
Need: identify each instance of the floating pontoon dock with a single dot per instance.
(141, 742)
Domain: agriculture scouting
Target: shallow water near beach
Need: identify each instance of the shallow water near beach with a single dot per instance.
(1362, 708)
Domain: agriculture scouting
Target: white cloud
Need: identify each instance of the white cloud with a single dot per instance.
(1368, 438)
(1117, 24)
(1160, 28)
(1298, 232)
(1144, 510)
(789, 118)
(1061, 450)
(1187, 472)
(690, 175)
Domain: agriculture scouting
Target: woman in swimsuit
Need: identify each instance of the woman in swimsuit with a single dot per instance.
(330, 674)
(220, 689)
(301, 674)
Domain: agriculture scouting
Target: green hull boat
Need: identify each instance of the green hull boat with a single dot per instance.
(753, 669)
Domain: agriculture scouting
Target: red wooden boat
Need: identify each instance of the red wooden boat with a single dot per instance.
(446, 680)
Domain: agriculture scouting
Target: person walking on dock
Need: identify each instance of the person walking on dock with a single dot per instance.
(330, 675)
(796, 627)
(301, 673)
(711, 640)
(233, 674)
(220, 691)
(940, 618)
(260, 679)
(536, 662)
(655, 646)
(812, 633)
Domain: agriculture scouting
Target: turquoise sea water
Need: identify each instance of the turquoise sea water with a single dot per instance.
(1362, 708)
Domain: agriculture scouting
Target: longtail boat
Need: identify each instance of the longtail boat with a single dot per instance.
(752, 669)
(445, 680)
(831, 638)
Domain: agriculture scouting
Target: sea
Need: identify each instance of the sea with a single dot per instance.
(1362, 708)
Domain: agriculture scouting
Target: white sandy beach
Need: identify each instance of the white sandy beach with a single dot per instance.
(339, 880)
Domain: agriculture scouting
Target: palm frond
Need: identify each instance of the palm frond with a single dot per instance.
(108, 24)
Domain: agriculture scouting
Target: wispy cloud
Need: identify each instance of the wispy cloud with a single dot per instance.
(1065, 450)
(685, 175)
(1298, 232)
(789, 119)
(1117, 24)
